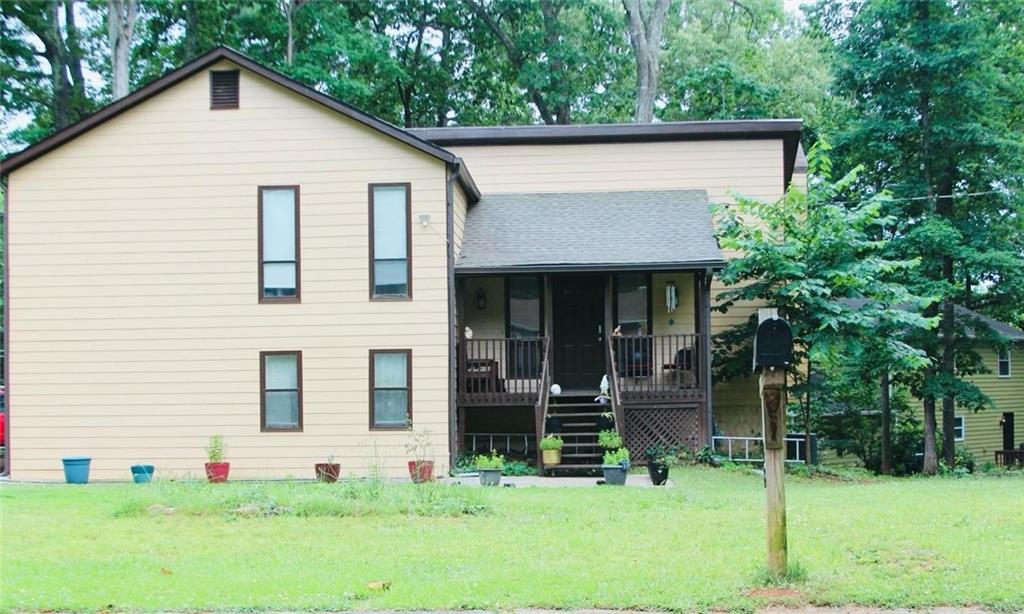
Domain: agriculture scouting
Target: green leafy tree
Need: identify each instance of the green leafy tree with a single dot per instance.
(935, 88)
(823, 265)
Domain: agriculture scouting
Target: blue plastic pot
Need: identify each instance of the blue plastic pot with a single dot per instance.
(76, 469)
(143, 474)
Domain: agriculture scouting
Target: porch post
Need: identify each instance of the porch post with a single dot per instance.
(702, 281)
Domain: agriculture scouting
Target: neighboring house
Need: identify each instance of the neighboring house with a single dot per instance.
(989, 432)
(227, 251)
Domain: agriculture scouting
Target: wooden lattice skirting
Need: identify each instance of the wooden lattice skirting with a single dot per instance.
(669, 426)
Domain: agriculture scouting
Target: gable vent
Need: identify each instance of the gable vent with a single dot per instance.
(223, 89)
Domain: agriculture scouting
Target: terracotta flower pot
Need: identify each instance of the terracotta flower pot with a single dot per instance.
(421, 471)
(217, 472)
(552, 457)
(327, 472)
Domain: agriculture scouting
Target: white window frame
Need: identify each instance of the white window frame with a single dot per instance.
(1001, 357)
(962, 428)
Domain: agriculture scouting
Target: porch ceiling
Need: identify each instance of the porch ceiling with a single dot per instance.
(589, 231)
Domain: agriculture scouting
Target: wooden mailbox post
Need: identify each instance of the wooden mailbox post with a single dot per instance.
(773, 356)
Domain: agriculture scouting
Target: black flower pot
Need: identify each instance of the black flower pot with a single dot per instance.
(605, 423)
(658, 473)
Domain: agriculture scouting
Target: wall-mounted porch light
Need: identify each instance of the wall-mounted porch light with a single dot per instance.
(481, 299)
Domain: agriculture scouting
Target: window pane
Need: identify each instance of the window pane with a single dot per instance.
(279, 279)
(390, 407)
(389, 223)
(278, 225)
(524, 317)
(282, 409)
(390, 277)
(281, 371)
(631, 297)
(390, 370)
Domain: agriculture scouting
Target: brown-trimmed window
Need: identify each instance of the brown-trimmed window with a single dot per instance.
(281, 391)
(633, 303)
(390, 389)
(279, 243)
(390, 241)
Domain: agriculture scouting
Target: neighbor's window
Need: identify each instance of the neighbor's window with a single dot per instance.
(1004, 363)
(281, 391)
(279, 243)
(390, 389)
(958, 428)
(632, 291)
(390, 244)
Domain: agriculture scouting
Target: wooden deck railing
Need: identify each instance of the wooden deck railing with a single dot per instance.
(501, 371)
(655, 368)
(1010, 458)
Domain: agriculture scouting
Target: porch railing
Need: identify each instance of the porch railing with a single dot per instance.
(501, 371)
(615, 393)
(656, 368)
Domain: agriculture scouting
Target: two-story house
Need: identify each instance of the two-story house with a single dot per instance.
(227, 251)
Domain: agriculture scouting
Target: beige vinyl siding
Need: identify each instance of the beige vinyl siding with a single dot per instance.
(752, 168)
(135, 328)
(461, 206)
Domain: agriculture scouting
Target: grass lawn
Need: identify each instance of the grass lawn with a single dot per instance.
(912, 542)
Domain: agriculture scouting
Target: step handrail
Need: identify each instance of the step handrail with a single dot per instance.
(616, 397)
(540, 410)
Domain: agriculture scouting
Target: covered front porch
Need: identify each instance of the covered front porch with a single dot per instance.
(538, 332)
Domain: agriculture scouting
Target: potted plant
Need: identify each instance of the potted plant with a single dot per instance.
(142, 474)
(615, 466)
(606, 421)
(421, 468)
(659, 459)
(609, 439)
(490, 467)
(76, 469)
(551, 449)
(329, 471)
(216, 469)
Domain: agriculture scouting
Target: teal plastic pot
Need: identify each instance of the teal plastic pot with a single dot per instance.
(76, 469)
(142, 474)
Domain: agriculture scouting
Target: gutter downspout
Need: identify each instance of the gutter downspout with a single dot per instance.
(5, 218)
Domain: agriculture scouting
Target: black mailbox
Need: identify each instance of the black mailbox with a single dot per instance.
(773, 344)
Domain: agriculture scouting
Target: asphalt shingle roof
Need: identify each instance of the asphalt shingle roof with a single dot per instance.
(668, 229)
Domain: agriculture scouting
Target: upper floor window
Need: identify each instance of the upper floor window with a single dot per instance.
(223, 89)
(1003, 363)
(281, 391)
(390, 241)
(279, 243)
(390, 389)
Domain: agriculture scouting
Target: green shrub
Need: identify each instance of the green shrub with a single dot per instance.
(490, 461)
(616, 457)
(518, 468)
(215, 450)
(609, 439)
(551, 442)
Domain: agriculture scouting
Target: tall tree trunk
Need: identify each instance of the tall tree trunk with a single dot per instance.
(74, 61)
(645, 39)
(289, 12)
(807, 415)
(886, 425)
(121, 17)
(930, 465)
(191, 28)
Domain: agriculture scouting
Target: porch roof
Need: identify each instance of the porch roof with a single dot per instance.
(590, 231)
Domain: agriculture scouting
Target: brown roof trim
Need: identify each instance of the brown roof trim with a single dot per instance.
(153, 88)
(787, 129)
(596, 267)
(609, 133)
